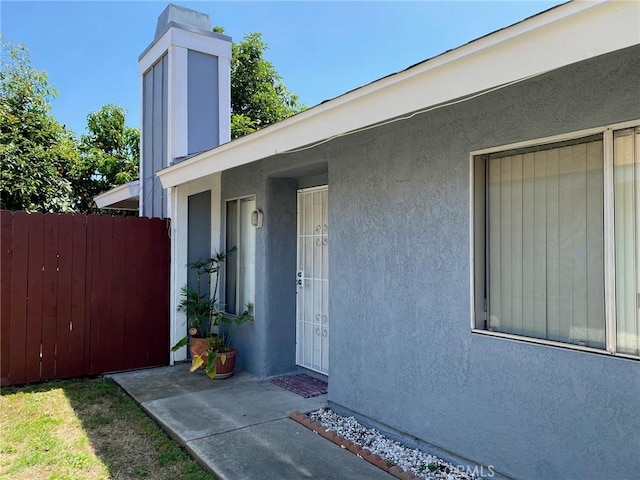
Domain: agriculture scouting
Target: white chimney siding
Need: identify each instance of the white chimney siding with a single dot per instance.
(186, 98)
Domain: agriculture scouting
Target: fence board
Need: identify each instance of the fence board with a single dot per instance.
(119, 297)
(6, 220)
(82, 295)
(101, 299)
(90, 266)
(64, 359)
(146, 295)
(159, 353)
(134, 325)
(34, 296)
(18, 320)
(49, 297)
(92, 307)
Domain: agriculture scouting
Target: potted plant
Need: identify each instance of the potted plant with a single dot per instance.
(204, 315)
(220, 345)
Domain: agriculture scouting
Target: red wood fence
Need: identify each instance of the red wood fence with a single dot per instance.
(81, 295)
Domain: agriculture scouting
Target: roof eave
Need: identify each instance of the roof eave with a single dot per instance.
(123, 197)
(582, 29)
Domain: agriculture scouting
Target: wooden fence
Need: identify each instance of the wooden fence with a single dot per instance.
(81, 295)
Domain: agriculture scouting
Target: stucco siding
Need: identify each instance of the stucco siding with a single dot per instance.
(402, 353)
(400, 215)
(267, 345)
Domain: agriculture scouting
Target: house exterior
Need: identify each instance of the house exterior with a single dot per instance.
(455, 246)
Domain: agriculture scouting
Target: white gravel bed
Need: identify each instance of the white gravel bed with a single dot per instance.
(416, 461)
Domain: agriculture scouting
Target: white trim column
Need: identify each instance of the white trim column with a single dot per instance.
(177, 114)
(224, 97)
(179, 243)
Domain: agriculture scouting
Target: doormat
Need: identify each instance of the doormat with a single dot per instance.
(302, 384)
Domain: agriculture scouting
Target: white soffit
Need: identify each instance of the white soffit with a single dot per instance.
(561, 36)
(124, 197)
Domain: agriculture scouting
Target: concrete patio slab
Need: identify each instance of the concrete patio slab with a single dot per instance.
(239, 428)
(216, 410)
(282, 449)
(165, 382)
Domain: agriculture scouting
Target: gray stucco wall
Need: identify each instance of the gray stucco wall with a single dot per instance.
(402, 353)
(267, 345)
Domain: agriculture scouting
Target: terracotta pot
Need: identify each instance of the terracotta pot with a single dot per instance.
(225, 370)
(198, 346)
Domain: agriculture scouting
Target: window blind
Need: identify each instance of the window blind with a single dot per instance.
(545, 231)
(626, 178)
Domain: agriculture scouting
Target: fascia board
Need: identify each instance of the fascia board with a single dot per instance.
(202, 43)
(176, 37)
(562, 36)
(155, 52)
(118, 194)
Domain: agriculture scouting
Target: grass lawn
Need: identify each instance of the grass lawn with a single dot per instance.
(85, 429)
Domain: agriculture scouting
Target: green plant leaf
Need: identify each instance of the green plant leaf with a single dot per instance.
(181, 343)
(211, 365)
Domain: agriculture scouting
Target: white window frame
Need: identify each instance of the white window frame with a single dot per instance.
(609, 252)
(235, 258)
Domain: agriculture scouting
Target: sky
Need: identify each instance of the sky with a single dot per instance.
(322, 49)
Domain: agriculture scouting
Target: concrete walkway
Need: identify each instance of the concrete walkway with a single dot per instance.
(239, 427)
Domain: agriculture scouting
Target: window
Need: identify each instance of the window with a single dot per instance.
(549, 257)
(240, 266)
(626, 187)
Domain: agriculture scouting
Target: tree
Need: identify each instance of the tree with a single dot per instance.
(36, 152)
(109, 155)
(258, 96)
(45, 168)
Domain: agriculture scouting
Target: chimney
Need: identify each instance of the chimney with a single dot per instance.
(186, 98)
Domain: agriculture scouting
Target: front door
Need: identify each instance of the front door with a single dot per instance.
(312, 325)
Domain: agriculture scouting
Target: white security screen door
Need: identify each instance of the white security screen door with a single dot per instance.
(312, 276)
